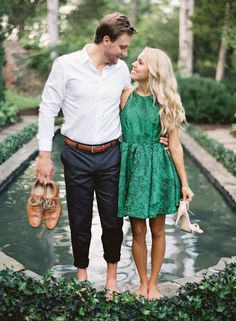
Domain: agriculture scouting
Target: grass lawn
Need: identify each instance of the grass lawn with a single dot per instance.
(21, 101)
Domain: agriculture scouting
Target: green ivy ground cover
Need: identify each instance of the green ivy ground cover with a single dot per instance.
(24, 298)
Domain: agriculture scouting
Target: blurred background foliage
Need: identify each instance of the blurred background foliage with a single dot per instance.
(157, 22)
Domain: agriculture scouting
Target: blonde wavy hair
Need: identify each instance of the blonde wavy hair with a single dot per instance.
(162, 85)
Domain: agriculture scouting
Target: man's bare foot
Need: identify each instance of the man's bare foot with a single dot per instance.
(81, 275)
(111, 286)
(112, 289)
(143, 290)
(153, 292)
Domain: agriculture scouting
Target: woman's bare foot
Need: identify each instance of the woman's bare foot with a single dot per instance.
(143, 290)
(153, 292)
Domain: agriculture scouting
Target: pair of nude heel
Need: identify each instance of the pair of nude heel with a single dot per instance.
(182, 216)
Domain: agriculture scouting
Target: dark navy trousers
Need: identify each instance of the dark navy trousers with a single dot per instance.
(86, 172)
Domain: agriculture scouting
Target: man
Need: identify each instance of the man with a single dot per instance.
(87, 85)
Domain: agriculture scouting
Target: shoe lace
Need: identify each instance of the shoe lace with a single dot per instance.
(48, 204)
(36, 202)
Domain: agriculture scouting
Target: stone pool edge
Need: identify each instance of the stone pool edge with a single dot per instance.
(18, 162)
(224, 181)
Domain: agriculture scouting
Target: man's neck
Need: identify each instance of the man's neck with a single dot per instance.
(96, 55)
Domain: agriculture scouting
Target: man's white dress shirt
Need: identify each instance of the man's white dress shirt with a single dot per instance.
(89, 100)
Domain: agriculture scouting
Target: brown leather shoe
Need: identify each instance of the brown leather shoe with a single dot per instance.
(34, 205)
(51, 205)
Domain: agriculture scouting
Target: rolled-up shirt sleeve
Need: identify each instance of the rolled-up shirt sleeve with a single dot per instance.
(51, 103)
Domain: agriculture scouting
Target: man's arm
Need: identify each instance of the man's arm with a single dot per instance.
(165, 141)
(44, 167)
(52, 98)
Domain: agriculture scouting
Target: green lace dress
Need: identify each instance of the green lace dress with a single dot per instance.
(149, 184)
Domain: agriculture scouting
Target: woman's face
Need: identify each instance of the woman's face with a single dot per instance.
(139, 70)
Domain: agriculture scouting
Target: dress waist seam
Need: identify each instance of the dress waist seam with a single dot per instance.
(142, 144)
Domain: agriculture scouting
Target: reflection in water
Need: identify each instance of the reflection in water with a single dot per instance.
(40, 249)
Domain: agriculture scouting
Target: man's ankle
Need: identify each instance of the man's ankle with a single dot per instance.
(81, 274)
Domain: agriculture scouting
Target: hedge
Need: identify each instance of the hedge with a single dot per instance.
(207, 101)
(8, 114)
(13, 143)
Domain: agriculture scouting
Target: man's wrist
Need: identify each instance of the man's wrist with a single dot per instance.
(44, 154)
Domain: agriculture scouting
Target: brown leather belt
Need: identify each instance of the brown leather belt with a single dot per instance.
(90, 148)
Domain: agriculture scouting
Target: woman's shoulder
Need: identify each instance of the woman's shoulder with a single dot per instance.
(124, 97)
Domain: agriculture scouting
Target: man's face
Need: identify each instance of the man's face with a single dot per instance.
(117, 49)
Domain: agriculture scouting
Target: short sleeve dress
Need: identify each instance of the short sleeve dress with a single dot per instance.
(149, 184)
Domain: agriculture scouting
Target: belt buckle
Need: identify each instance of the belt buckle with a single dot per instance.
(93, 149)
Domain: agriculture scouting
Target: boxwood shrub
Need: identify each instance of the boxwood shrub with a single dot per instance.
(24, 298)
(207, 101)
(8, 114)
(13, 143)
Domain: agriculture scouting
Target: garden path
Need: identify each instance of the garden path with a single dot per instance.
(222, 135)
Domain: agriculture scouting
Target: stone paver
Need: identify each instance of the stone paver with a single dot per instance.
(223, 136)
(188, 279)
(33, 275)
(169, 289)
(205, 273)
(220, 266)
(25, 121)
(10, 263)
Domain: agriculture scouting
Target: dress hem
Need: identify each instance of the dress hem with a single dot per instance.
(149, 216)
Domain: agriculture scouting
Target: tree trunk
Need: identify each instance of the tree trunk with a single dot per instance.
(185, 38)
(133, 15)
(52, 19)
(220, 68)
(221, 61)
(2, 53)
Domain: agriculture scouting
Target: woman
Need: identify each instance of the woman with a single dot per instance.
(152, 179)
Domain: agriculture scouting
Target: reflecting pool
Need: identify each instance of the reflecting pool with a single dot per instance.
(39, 249)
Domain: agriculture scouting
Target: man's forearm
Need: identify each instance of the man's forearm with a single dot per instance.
(45, 154)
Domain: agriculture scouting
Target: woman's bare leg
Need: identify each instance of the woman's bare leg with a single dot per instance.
(157, 226)
(139, 250)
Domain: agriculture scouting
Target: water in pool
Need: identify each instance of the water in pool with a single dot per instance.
(39, 249)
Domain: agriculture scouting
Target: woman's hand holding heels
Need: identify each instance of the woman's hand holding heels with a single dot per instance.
(187, 193)
(183, 216)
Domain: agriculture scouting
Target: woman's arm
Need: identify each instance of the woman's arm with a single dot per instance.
(176, 152)
(124, 96)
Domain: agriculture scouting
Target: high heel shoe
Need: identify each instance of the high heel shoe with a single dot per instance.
(183, 217)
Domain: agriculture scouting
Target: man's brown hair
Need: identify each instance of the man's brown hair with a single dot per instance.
(113, 25)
